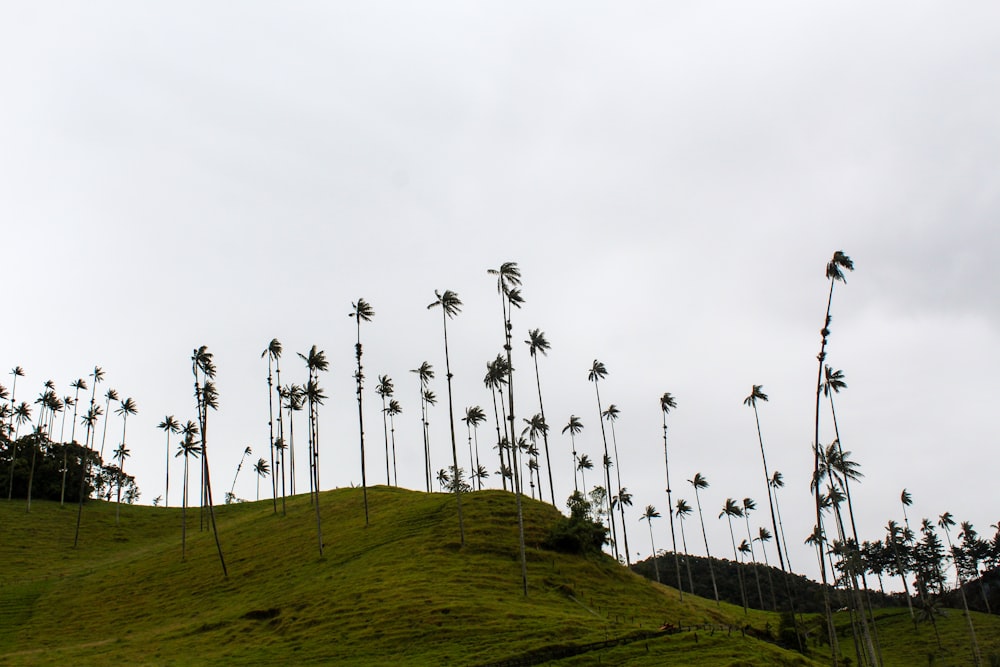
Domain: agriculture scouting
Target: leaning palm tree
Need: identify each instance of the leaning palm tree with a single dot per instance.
(906, 499)
(262, 470)
(538, 343)
(128, 407)
(362, 312)
(425, 373)
(584, 464)
(649, 515)
(683, 511)
(273, 353)
(756, 394)
(668, 403)
(293, 396)
(749, 505)
(495, 379)
(316, 362)
(729, 510)
(947, 522)
(834, 272)
(246, 452)
(699, 482)
(597, 373)
(188, 448)
(611, 415)
(385, 390)
(574, 427)
(474, 416)
(168, 425)
(451, 306)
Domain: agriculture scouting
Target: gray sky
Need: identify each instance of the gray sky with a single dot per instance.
(671, 178)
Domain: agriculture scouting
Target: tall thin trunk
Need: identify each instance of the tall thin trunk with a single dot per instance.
(359, 376)
(166, 492)
(513, 442)
(270, 428)
(385, 432)
(673, 536)
(607, 471)
(739, 565)
(704, 535)
(84, 466)
(184, 506)
(496, 415)
(687, 560)
(656, 567)
(451, 424)
(621, 505)
(545, 435)
(281, 435)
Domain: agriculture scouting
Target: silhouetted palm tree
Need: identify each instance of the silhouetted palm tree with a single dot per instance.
(729, 510)
(699, 482)
(385, 390)
(293, 396)
(649, 515)
(495, 379)
(474, 416)
(362, 312)
(425, 373)
(596, 373)
(668, 403)
(756, 394)
(91, 420)
(246, 452)
(316, 362)
(946, 522)
(749, 505)
(189, 447)
(584, 464)
(611, 415)
(168, 425)
(394, 409)
(683, 511)
(273, 353)
(206, 397)
(109, 395)
(906, 500)
(262, 470)
(574, 427)
(834, 272)
(127, 408)
(538, 343)
(536, 427)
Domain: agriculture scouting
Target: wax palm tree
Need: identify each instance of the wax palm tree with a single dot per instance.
(76, 385)
(729, 510)
(385, 390)
(946, 522)
(20, 415)
(47, 404)
(699, 482)
(87, 452)
(764, 536)
(536, 427)
(316, 362)
(834, 272)
(294, 397)
(611, 416)
(757, 394)
(394, 409)
(597, 373)
(648, 516)
(273, 353)
(474, 416)
(362, 312)
(538, 343)
(495, 379)
(246, 452)
(906, 500)
(425, 373)
(622, 500)
(109, 395)
(206, 398)
(508, 286)
(128, 407)
(776, 482)
(262, 470)
(683, 511)
(668, 403)
(574, 427)
(189, 447)
(451, 306)
(749, 505)
(584, 464)
(168, 425)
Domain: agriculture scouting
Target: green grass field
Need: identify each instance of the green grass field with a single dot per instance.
(400, 592)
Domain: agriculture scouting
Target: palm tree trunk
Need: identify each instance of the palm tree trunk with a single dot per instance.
(673, 536)
(385, 432)
(361, 424)
(281, 436)
(270, 428)
(84, 469)
(739, 568)
(621, 506)
(545, 436)
(607, 474)
(652, 545)
(687, 561)
(166, 492)
(184, 502)
(451, 424)
(704, 534)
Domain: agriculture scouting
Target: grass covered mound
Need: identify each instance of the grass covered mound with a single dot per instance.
(401, 591)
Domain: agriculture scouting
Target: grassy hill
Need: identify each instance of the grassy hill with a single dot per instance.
(401, 591)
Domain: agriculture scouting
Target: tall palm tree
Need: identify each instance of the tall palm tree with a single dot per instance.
(188, 448)
(729, 510)
(611, 415)
(87, 452)
(508, 286)
(46, 401)
(425, 373)
(538, 343)
(385, 390)
(574, 427)
(316, 362)
(947, 522)
(451, 306)
(273, 353)
(168, 425)
(362, 312)
(668, 403)
(683, 511)
(749, 505)
(699, 482)
(206, 398)
(76, 385)
(232, 490)
(109, 395)
(294, 397)
(120, 454)
(474, 416)
(597, 373)
(906, 500)
(649, 515)
(757, 394)
(262, 470)
(20, 416)
(495, 379)
(536, 427)
(764, 536)
(394, 409)
(834, 272)
(584, 464)
(128, 407)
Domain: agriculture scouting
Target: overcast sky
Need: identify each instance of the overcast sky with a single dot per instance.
(671, 179)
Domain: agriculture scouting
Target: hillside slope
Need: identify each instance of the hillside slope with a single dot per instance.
(401, 591)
